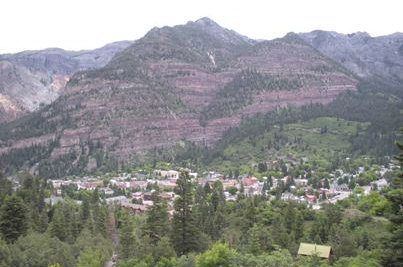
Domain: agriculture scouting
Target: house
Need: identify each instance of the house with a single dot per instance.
(229, 197)
(89, 185)
(287, 196)
(167, 184)
(107, 191)
(135, 208)
(137, 184)
(381, 184)
(167, 196)
(116, 200)
(147, 196)
(307, 249)
(310, 198)
(339, 188)
(56, 184)
(167, 174)
(249, 181)
(137, 195)
(366, 189)
(301, 182)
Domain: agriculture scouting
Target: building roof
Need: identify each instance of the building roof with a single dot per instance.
(313, 249)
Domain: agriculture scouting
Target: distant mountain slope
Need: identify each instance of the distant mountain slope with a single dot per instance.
(378, 58)
(31, 78)
(188, 82)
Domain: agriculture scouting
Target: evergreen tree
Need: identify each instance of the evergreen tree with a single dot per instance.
(127, 244)
(279, 231)
(163, 249)
(6, 187)
(262, 167)
(95, 197)
(89, 258)
(326, 184)
(184, 233)
(37, 250)
(100, 215)
(266, 187)
(289, 217)
(85, 210)
(217, 197)
(157, 218)
(298, 226)
(236, 173)
(218, 255)
(393, 255)
(207, 189)
(258, 240)
(5, 255)
(13, 218)
(218, 222)
(59, 226)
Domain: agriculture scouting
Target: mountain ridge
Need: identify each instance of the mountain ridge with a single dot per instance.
(187, 82)
(181, 83)
(368, 57)
(29, 79)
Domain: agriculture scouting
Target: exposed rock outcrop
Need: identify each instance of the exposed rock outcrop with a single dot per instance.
(379, 57)
(33, 78)
(188, 82)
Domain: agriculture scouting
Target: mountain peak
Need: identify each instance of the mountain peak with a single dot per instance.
(206, 21)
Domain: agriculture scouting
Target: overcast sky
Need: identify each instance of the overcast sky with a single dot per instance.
(87, 24)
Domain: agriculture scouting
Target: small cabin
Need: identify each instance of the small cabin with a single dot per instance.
(307, 249)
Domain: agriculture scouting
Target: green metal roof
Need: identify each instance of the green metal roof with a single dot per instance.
(313, 249)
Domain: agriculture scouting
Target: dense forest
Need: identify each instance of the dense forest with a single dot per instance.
(203, 230)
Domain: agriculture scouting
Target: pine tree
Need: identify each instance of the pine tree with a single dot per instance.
(5, 255)
(6, 187)
(157, 218)
(298, 226)
(100, 214)
(184, 233)
(326, 184)
(85, 210)
(202, 210)
(127, 241)
(59, 224)
(217, 197)
(266, 188)
(13, 219)
(207, 189)
(289, 217)
(218, 222)
(393, 253)
(95, 197)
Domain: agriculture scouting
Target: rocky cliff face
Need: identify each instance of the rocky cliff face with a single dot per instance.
(33, 78)
(189, 82)
(375, 57)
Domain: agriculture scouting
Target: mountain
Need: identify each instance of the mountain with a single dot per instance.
(379, 58)
(30, 79)
(189, 82)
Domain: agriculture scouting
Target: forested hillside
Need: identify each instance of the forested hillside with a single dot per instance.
(364, 123)
(203, 230)
(188, 82)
